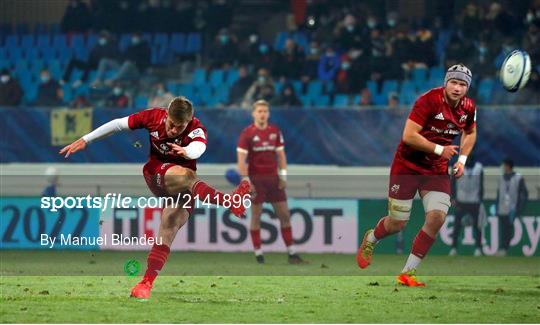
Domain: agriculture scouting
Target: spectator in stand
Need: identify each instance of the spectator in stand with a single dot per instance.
(403, 48)
(49, 92)
(117, 98)
(76, 18)
(343, 79)
(262, 88)
(393, 100)
(508, 45)
(290, 61)
(348, 33)
(80, 101)
(160, 97)
(136, 58)
(240, 87)
(471, 22)
(11, 92)
(365, 97)
(265, 58)
(106, 48)
(224, 50)
(377, 61)
(424, 49)
(531, 41)
(287, 98)
(482, 60)
(311, 63)
(328, 64)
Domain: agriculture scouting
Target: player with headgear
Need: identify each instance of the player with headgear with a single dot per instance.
(421, 165)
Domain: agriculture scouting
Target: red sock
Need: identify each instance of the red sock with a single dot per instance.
(421, 244)
(156, 259)
(380, 232)
(286, 234)
(256, 238)
(207, 193)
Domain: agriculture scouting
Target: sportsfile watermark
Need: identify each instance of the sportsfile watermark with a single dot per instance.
(120, 201)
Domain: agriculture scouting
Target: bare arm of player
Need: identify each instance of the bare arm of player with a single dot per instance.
(467, 143)
(241, 162)
(282, 167)
(107, 129)
(413, 138)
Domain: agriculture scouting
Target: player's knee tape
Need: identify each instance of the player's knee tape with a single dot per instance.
(399, 209)
(436, 201)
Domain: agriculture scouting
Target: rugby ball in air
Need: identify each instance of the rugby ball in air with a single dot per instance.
(515, 70)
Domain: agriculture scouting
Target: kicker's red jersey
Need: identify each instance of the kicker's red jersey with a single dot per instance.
(153, 120)
(440, 123)
(261, 146)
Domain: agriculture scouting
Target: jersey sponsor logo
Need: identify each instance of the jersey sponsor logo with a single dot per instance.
(462, 118)
(264, 148)
(447, 131)
(439, 116)
(256, 138)
(155, 134)
(164, 147)
(197, 133)
(272, 136)
(450, 125)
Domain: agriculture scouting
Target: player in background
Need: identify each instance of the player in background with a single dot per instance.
(421, 164)
(177, 140)
(261, 144)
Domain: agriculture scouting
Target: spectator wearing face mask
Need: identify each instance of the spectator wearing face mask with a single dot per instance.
(118, 98)
(49, 91)
(106, 48)
(343, 79)
(10, 90)
(224, 50)
(262, 88)
(240, 86)
(348, 34)
(135, 60)
(265, 58)
(161, 97)
(311, 63)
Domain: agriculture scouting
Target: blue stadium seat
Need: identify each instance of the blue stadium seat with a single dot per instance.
(22, 65)
(485, 89)
(187, 90)
(27, 41)
(55, 69)
(222, 94)
(297, 85)
(315, 88)
(199, 76)
(194, 43)
(37, 65)
(30, 92)
(389, 85)
(279, 42)
(48, 53)
(43, 40)
(216, 77)
(12, 41)
(33, 53)
(372, 86)
(322, 101)
(341, 100)
(161, 39)
(68, 93)
(436, 73)
(81, 53)
(231, 76)
(204, 92)
(278, 86)
(178, 43)
(301, 40)
(329, 87)
(306, 100)
(356, 100)
(125, 40)
(22, 28)
(419, 76)
(172, 87)
(64, 55)
(141, 102)
(380, 99)
(91, 41)
(77, 41)
(16, 53)
(59, 41)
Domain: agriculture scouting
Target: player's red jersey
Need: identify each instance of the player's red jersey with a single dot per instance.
(153, 119)
(261, 146)
(440, 123)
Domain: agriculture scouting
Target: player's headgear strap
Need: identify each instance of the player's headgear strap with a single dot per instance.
(459, 72)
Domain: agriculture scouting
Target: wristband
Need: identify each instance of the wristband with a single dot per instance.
(282, 174)
(462, 159)
(438, 149)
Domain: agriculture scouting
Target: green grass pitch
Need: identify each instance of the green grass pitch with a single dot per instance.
(89, 287)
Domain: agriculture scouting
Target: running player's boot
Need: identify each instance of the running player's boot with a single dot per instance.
(260, 259)
(409, 279)
(365, 251)
(296, 259)
(141, 290)
(243, 189)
